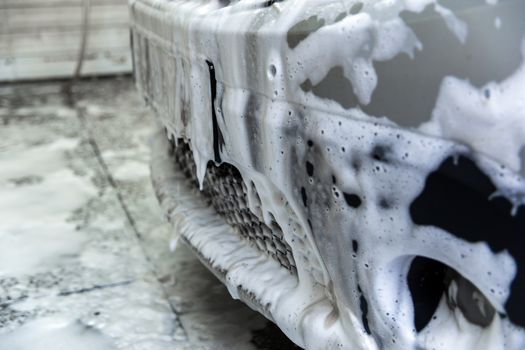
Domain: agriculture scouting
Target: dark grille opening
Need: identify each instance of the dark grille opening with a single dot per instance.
(458, 198)
(226, 191)
(428, 280)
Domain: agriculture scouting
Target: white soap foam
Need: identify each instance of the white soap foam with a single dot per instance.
(457, 26)
(54, 333)
(37, 195)
(131, 170)
(266, 121)
(484, 117)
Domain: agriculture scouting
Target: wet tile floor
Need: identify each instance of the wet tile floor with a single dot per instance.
(84, 250)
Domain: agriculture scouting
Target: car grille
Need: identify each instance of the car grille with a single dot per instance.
(225, 189)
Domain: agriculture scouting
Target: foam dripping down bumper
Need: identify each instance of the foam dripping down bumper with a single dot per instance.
(249, 274)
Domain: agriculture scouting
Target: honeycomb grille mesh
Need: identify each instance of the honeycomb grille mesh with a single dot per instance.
(226, 191)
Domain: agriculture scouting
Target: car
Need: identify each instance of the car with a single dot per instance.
(352, 170)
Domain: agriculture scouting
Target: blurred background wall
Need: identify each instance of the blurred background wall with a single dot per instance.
(42, 39)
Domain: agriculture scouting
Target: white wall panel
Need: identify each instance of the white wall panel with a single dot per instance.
(40, 39)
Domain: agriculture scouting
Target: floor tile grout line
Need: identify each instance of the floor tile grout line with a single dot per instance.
(95, 287)
(67, 292)
(80, 113)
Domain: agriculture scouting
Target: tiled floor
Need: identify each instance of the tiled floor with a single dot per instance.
(84, 250)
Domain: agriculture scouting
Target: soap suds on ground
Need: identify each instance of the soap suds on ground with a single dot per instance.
(75, 271)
